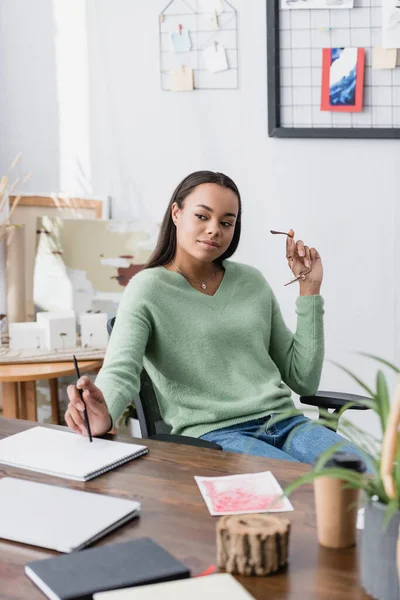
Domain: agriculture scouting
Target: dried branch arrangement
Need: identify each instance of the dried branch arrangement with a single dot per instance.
(6, 190)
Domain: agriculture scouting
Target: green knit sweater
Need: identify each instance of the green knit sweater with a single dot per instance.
(214, 361)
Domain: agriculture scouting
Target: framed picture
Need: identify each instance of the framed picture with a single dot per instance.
(306, 4)
(310, 98)
(84, 265)
(342, 79)
(27, 211)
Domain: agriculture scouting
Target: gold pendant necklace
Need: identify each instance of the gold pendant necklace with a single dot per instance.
(203, 284)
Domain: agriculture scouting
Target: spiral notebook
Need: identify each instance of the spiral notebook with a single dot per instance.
(65, 454)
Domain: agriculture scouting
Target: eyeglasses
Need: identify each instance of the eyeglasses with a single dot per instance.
(303, 274)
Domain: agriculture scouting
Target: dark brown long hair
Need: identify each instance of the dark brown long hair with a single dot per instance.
(166, 244)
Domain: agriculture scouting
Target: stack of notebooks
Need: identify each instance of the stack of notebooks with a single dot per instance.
(67, 520)
(115, 572)
(79, 575)
(57, 517)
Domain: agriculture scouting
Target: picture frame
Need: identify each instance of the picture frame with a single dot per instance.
(29, 208)
(275, 125)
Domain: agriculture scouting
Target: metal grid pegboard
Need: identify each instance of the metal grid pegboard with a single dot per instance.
(188, 13)
(295, 42)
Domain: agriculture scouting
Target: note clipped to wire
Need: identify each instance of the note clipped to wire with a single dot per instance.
(384, 58)
(211, 6)
(180, 40)
(215, 58)
(182, 79)
(242, 494)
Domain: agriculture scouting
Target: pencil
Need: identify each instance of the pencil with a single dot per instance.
(83, 402)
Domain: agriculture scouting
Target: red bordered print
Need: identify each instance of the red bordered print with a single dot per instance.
(326, 70)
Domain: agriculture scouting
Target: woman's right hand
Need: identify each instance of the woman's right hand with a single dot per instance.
(97, 410)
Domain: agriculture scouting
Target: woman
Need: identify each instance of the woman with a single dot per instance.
(211, 336)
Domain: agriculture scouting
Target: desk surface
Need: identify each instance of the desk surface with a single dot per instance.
(175, 516)
(34, 371)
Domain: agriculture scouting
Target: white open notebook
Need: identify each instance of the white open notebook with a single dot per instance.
(56, 517)
(65, 454)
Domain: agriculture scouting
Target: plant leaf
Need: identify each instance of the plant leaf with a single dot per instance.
(327, 454)
(360, 383)
(357, 479)
(375, 488)
(382, 399)
(362, 446)
(381, 360)
(347, 423)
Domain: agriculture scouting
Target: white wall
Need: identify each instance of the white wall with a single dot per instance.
(339, 195)
(28, 95)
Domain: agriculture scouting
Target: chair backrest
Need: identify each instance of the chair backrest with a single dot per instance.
(148, 410)
(146, 404)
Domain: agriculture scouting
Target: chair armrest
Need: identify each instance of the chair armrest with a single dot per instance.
(184, 439)
(335, 400)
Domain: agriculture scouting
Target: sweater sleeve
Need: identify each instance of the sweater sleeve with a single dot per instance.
(119, 378)
(299, 357)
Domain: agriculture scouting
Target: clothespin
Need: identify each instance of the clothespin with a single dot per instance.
(180, 29)
(322, 29)
(216, 45)
(162, 18)
(214, 20)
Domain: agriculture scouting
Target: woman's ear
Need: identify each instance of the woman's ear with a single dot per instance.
(175, 212)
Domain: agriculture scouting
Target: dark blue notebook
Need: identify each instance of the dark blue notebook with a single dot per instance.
(79, 575)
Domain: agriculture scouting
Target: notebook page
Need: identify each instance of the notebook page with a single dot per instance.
(64, 454)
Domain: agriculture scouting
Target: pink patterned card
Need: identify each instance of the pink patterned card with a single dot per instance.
(243, 494)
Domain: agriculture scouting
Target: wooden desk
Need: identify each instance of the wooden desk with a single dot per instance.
(175, 515)
(24, 405)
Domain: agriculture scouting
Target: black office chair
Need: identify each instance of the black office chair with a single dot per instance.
(152, 425)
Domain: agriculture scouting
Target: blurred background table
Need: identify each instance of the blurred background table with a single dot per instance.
(19, 386)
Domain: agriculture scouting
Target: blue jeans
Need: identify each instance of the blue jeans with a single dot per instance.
(261, 439)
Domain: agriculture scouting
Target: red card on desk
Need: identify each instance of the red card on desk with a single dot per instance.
(241, 494)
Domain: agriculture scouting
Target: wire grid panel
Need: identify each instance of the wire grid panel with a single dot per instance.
(303, 34)
(202, 34)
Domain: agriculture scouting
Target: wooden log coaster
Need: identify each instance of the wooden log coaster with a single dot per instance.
(253, 544)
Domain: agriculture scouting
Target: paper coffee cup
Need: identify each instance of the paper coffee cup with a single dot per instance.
(336, 505)
(336, 510)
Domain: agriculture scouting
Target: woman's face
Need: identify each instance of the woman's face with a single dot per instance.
(206, 222)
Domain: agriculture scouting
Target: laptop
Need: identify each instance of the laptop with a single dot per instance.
(59, 518)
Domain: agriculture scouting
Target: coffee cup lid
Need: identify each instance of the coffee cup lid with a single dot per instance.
(346, 460)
